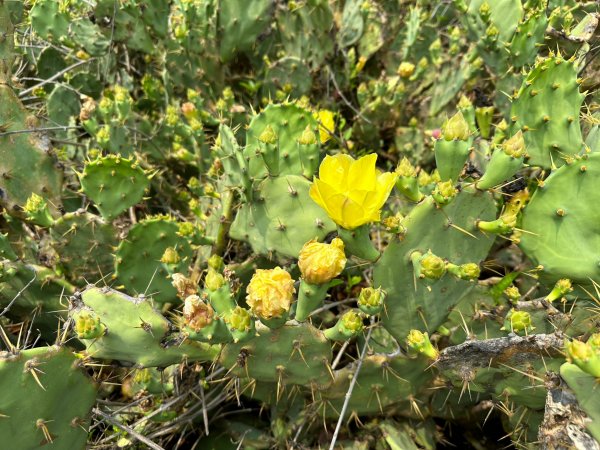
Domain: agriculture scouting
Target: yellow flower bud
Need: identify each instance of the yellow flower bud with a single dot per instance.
(406, 69)
(513, 294)
(320, 263)
(270, 293)
(268, 136)
(170, 256)
(197, 313)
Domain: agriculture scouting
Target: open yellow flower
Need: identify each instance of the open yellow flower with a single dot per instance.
(351, 191)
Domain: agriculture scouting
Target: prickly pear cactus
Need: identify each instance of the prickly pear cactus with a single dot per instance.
(374, 220)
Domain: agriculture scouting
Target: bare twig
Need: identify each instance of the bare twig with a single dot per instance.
(363, 353)
(5, 310)
(54, 77)
(128, 430)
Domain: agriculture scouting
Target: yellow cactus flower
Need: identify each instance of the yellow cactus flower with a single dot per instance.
(351, 191)
(321, 263)
(326, 124)
(270, 293)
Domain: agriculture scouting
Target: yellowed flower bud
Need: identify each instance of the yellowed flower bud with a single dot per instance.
(320, 263)
(197, 314)
(270, 292)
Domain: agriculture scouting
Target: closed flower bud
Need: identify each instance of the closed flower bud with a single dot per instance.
(512, 293)
(419, 343)
(239, 319)
(578, 352)
(215, 262)
(561, 288)
(352, 322)
(456, 128)
(515, 146)
(37, 211)
(594, 342)
(307, 137)
(319, 263)
(268, 136)
(432, 266)
(88, 325)
(585, 356)
(270, 292)
(406, 69)
(184, 286)
(197, 314)
(170, 256)
(444, 192)
(370, 300)
(517, 322)
(213, 280)
(405, 169)
(470, 271)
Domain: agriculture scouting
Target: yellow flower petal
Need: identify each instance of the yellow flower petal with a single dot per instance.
(334, 170)
(362, 173)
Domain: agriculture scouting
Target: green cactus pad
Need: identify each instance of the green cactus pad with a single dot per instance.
(422, 304)
(565, 245)
(47, 399)
(41, 300)
(114, 184)
(288, 121)
(305, 31)
(384, 384)
(27, 164)
(282, 218)
(85, 244)
(288, 75)
(137, 262)
(240, 23)
(547, 110)
(527, 38)
(292, 354)
(136, 334)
